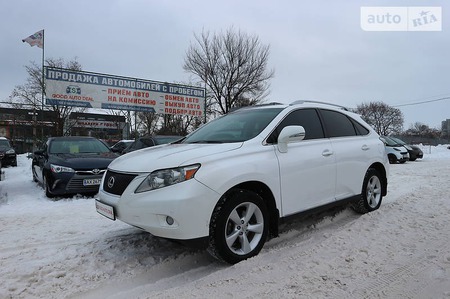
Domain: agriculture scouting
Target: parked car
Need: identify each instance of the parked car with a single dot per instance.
(148, 141)
(71, 165)
(396, 152)
(119, 146)
(8, 156)
(230, 182)
(413, 150)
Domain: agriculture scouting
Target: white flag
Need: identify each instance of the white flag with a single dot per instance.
(36, 39)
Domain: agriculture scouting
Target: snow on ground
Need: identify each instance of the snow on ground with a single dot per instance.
(64, 249)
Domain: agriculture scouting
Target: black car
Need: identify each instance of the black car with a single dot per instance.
(147, 141)
(8, 156)
(119, 146)
(71, 165)
(414, 151)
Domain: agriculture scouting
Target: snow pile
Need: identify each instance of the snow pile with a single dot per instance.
(60, 249)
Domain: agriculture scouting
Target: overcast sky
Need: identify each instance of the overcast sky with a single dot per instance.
(317, 48)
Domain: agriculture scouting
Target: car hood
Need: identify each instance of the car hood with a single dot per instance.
(167, 156)
(83, 161)
(407, 147)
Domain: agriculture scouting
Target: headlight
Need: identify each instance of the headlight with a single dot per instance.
(167, 177)
(397, 149)
(59, 169)
(11, 151)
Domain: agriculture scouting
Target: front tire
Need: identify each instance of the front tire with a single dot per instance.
(239, 226)
(371, 194)
(392, 159)
(46, 186)
(33, 174)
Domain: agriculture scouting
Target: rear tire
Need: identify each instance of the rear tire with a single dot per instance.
(371, 194)
(239, 226)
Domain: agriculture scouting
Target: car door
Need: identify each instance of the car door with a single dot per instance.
(353, 148)
(307, 169)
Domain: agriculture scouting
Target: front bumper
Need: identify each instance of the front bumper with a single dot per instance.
(67, 183)
(9, 160)
(190, 204)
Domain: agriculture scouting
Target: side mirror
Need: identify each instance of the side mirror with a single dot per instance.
(290, 134)
(39, 153)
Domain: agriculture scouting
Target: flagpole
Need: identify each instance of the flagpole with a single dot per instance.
(43, 85)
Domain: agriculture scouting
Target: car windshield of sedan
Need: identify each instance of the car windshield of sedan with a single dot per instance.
(78, 146)
(241, 125)
(4, 143)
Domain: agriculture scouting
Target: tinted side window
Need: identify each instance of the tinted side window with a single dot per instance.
(147, 142)
(337, 124)
(307, 118)
(360, 129)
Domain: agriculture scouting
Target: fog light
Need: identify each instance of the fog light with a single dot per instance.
(169, 220)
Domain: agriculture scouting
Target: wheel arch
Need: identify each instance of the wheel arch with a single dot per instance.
(267, 195)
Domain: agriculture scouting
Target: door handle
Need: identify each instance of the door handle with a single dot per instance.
(327, 153)
(365, 147)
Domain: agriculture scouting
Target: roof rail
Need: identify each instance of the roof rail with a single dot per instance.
(258, 105)
(319, 102)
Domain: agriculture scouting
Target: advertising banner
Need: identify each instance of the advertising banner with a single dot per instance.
(93, 90)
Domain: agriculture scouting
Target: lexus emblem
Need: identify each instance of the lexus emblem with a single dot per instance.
(111, 181)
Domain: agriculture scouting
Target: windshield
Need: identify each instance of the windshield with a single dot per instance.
(78, 146)
(390, 141)
(399, 141)
(166, 139)
(238, 126)
(4, 143)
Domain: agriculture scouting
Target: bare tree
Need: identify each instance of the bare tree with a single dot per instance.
(148, 122)
(31, 93)
(383, 118)
(233, 65)
(166, 124)
(421, 130)
(178, 125)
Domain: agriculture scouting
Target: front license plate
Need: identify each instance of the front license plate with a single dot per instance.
(105, 210)
(91, 182)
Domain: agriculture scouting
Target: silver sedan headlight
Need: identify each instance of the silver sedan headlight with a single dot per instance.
(167, 177)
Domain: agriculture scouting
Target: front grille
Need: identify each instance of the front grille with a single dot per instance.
(116, 183)
(76, 184)
(91, 172)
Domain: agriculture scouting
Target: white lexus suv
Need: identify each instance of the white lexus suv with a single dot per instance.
(231, 181)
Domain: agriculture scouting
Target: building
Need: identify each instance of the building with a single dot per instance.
(446, 128)
(102, 126)
(27, 128)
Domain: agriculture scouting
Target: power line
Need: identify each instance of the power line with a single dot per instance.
(422, 102)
